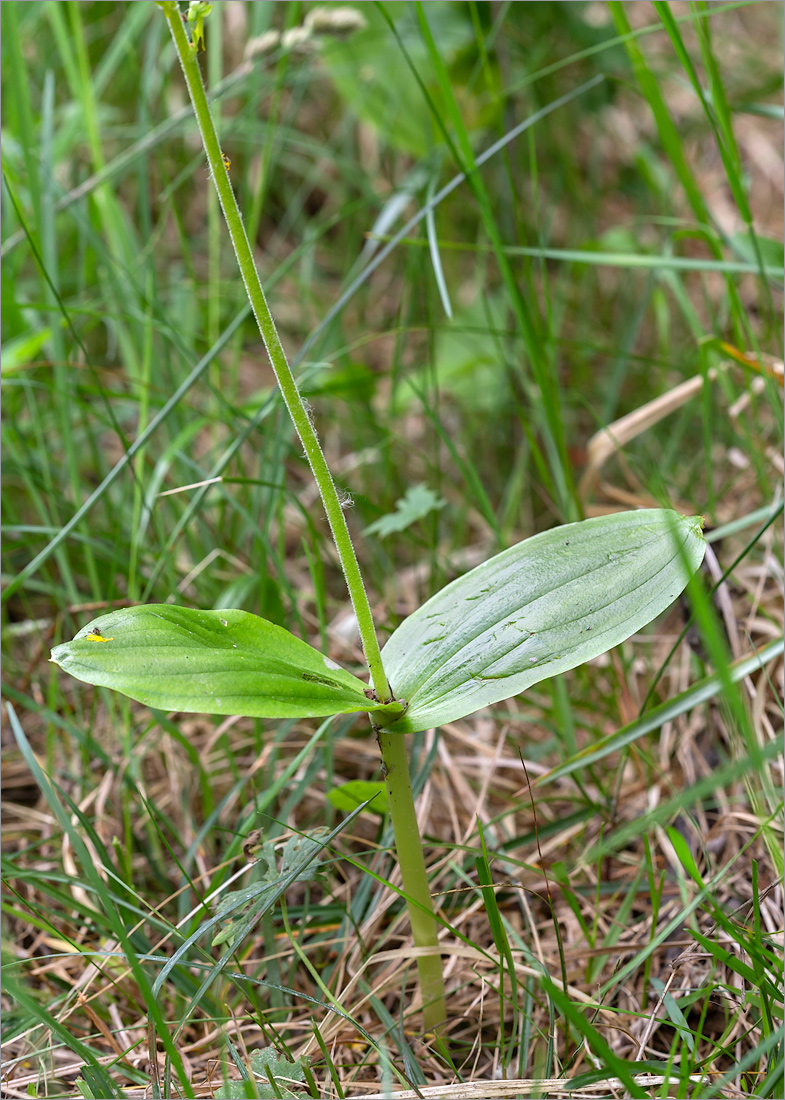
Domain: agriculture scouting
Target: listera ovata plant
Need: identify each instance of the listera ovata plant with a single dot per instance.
(537, 609)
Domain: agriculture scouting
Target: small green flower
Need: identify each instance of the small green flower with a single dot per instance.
(197, 13)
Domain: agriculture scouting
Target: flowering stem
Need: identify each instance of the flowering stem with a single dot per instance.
(283, 373)
(392, 746)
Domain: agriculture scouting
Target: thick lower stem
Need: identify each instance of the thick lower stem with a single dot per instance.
(415, 878)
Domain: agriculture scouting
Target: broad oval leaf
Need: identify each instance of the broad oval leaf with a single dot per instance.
(211, 662)
(348, 796)
(542, 607)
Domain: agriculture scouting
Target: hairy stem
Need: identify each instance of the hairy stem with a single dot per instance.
(283, 373)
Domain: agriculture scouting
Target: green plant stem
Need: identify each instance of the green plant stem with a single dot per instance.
(392, 746)
(288, 386)
(414, 876)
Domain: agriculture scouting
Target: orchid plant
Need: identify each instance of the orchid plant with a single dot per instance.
(541, 607)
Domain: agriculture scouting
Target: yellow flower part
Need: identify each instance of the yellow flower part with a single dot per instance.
(197, 13)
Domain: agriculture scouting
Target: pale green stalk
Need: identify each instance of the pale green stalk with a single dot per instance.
(214, 67)
(413, 874)
(393, 746)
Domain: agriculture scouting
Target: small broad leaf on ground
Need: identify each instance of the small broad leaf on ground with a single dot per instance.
(282, 1071)
(298, 864)
(416, 504)
(298, 853)
(350, 795)
(537, 609)
(211, 662)
(236, 906)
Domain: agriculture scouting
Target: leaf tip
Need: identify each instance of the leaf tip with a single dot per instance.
(698, 523)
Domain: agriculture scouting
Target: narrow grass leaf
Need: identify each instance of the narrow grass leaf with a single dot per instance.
(726, 958)
(686, 858)
(645, 261)
(38, 1012)
(675, 1014)
(575, 1015)
(106, 901)
(328, 1059)
(173, 402)
(436, 259)
(667, 810)
(654, 719)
